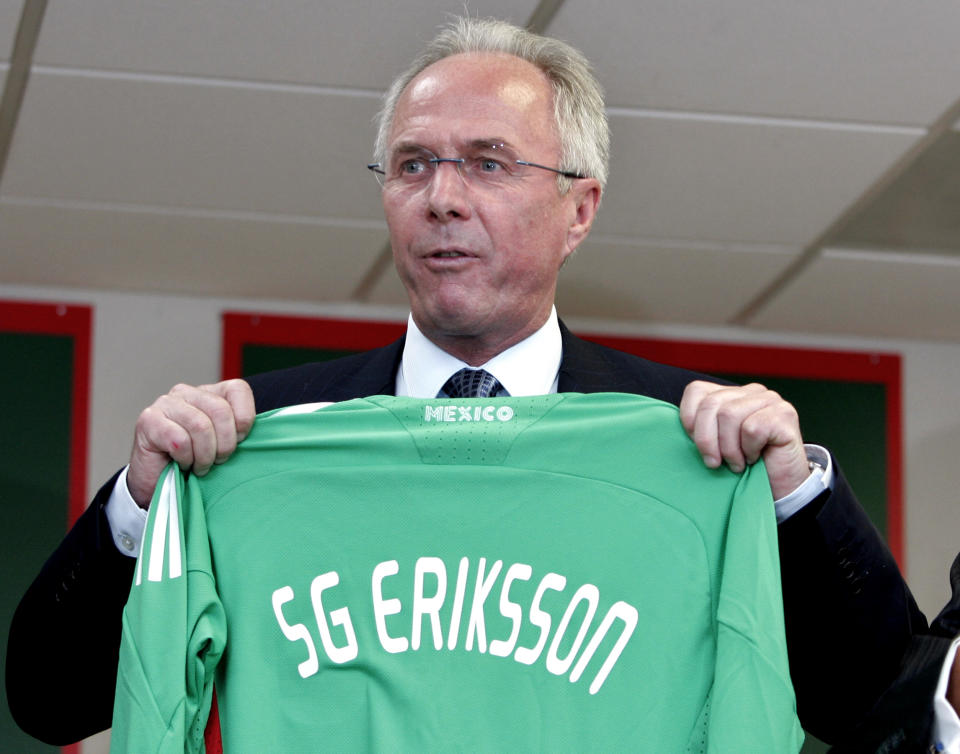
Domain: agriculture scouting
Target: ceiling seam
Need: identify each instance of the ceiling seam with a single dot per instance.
(243, 215)
(24, 45)
(543, 15)
(365, 287)
(812, 251)
(776, 121)
(223, 82)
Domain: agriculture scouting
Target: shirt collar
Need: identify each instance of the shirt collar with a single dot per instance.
(528, 368)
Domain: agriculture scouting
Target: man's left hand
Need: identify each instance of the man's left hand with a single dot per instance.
(741, 424)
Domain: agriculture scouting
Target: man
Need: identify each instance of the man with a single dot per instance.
(493, 152)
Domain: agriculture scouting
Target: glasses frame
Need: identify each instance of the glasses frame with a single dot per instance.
(377, 168)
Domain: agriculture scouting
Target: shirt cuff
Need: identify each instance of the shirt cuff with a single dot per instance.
(127, 519)
(946, 722)
(820, 479)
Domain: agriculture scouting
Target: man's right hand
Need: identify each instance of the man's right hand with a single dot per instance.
(194, 426)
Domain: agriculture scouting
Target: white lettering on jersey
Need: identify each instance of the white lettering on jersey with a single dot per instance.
(481, 591)
(296, 632)
(429, 596)
(458, 596)
(538, 617)
(467, 413)
(339, 617)
(511, 610)
(428, 606)
(628, 614)
(383, 608)
(589, 593)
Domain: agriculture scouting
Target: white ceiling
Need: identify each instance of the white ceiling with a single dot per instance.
(775, 164)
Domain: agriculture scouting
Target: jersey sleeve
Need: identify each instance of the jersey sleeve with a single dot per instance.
(753, 707)
(174, 629)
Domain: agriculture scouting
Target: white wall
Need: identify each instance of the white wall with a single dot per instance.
(932, 471)
(143, 344)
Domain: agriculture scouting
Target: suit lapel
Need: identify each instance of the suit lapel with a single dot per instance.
(379, 375)
(584, 368)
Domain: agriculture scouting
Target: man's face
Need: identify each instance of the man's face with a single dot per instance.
(479, 264)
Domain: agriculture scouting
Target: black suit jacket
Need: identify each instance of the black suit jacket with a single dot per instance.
(902, 720)
(846, 631)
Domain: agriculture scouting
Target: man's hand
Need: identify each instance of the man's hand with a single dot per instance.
(740, 425)
(194, 426)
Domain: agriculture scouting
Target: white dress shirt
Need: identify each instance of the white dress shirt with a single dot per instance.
(946, 721)
(528, 368)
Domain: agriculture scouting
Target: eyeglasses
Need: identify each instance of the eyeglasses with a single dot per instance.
(485, 165)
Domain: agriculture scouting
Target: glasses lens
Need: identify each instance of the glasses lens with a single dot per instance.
(410, 166)
(482, 166)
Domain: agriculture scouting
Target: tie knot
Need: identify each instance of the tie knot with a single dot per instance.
(472, 383)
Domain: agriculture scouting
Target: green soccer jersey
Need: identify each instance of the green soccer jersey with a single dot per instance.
(556, 573)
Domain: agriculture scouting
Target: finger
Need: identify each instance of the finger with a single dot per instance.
(194, 426)
(774, 434)
(238, 394)
(209, 418)
(769, 427)
(156, 441)
(157, 434)
(699, 417)
(204, 418)
(742, 431)
(693, 394)
(712, 415)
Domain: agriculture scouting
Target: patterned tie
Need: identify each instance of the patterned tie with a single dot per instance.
(472, 383)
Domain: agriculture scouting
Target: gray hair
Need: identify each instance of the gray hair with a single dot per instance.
(579, 113)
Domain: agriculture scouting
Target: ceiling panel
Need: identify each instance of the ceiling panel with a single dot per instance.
(870, 293)
(185, 147)
(195, 255)
(363, 43)
(387, 290)
(620, 281)
(881, 61)
(730, 180)
(660, 284)
(180, 145)
(920, 211)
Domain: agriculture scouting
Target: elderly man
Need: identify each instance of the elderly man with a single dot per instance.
(492, 152)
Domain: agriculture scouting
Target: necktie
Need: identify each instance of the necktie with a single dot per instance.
(472, 383)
